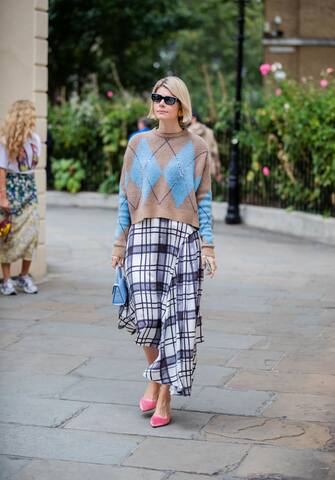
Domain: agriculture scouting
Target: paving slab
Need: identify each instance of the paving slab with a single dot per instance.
(37, 411)
(62, 444)
(187, 455)
(128, 419)
(63, 344)
(105, 391)
(213, 375)
(319, 408)
(82, 318)
(257, 359)
(215, 355)
(39, 363)
(313, 362)
(14, 383)
(271, 431)
(222, 400)
(119, 392)
(60, 329)
(7, 339)
(195, 476)
(9, 466)
(107, 367)
(289, 463)
(313, 383)
(219, 339)
(296, 344)
(67, 470)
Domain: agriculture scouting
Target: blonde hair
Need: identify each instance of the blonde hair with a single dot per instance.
(178, 89)
(19, 125)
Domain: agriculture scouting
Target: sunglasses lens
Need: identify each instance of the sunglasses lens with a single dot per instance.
(155, 97)
(170, 100)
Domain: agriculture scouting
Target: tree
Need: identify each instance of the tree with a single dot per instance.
(94, 36)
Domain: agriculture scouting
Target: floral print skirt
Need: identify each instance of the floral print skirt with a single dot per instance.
(24, 215)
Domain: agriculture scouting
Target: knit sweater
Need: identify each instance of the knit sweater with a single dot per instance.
(165, 175)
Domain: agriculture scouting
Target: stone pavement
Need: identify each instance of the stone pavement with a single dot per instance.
(263, 405)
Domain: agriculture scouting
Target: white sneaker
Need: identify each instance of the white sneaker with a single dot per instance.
(8, 287)
(26, 284)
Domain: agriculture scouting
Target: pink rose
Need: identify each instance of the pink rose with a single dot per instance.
(266, 171)
(109, 93)
(265, 68)
(323, 83)
(330, 70)
(278, 92)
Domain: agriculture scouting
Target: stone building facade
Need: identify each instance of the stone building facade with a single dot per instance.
(24, 75)
(300, 34)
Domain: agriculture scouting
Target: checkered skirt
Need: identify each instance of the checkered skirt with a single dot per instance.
(164, 275)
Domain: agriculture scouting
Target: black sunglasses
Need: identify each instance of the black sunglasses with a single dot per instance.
(155, 97)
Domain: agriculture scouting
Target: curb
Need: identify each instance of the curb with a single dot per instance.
(299, 224)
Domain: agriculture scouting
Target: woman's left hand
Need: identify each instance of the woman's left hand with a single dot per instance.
(212, 262)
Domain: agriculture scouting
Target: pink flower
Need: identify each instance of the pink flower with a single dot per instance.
(109, 93)
(266, 171)
(265, 68)
(323, 83)
(330, 70)
(278, 92)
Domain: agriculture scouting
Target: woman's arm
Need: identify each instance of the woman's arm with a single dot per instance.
(204, 201)
(123, 220)
(3, 193)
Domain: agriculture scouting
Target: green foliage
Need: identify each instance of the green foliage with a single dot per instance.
(90, 36)
(288, 147)
(133, 43)
(205, 56)
(68, 174)
(95, 132)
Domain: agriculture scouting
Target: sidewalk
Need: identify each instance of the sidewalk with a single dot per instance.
(263, 403)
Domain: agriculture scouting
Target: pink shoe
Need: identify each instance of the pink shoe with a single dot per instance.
(157, 421)
(146, 404)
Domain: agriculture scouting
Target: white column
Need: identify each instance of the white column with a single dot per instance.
(24, 75)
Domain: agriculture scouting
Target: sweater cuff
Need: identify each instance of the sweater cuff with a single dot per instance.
(208, 251)
(118, 251)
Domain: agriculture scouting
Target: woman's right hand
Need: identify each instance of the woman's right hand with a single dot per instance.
(117, 261)
(4, 203)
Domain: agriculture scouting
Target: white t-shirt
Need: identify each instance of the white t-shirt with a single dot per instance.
(26, 160)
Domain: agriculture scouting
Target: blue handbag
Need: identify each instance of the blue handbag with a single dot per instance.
(120, 289)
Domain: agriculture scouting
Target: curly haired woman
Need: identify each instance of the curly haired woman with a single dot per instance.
(19, 151)
(164, 239)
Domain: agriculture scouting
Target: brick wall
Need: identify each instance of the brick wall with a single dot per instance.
(308, 42)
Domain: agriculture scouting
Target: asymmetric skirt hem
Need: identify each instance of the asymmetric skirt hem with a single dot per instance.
(164, 275)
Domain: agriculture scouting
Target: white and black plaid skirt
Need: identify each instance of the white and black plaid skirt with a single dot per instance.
(164, 274)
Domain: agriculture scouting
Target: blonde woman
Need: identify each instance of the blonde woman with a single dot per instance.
(164, 239)
(19, 151)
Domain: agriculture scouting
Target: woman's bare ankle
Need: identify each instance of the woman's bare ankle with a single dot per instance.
(152, 391)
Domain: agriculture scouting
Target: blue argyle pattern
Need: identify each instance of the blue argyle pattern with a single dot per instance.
(178, 171)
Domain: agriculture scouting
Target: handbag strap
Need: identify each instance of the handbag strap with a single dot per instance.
(118, 273)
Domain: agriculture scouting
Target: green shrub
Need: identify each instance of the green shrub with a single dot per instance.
(287, 146)
(68, 174)
(94, 131)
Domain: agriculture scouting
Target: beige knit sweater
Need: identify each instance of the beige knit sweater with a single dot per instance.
(165, 175)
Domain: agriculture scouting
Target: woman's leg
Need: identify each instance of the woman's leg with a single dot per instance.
(5, 271)
(163, 407)
(156, 391)
(152, 390)
(25, 267)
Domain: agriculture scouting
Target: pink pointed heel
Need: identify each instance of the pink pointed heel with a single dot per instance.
(157, 421)
(146, 404)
